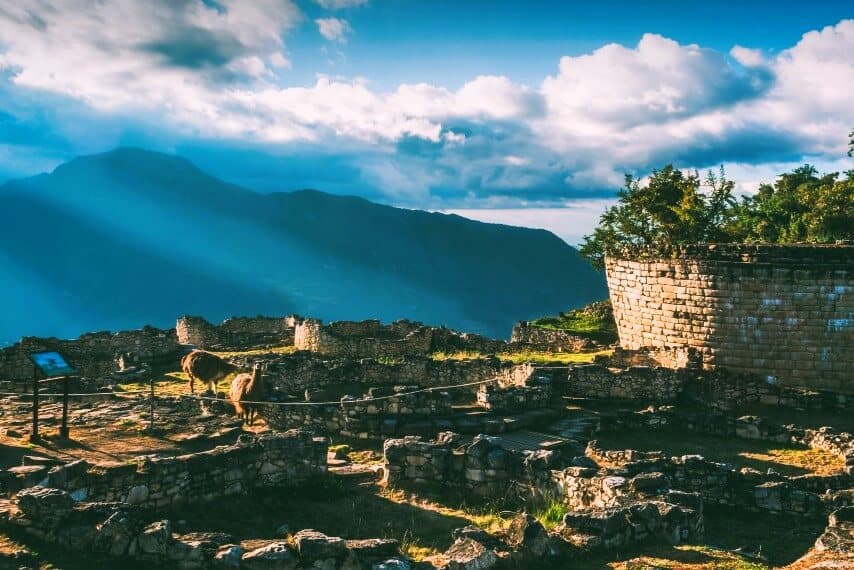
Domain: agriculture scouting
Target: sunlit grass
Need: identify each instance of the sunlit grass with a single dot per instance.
(594, 321)
(786, 459)
(534, 357)
(688, 557)
(255, 352)
(551, 514)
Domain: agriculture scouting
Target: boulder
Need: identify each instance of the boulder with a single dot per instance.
(155, 538)
(313, 545)
(468, 554)
(528, 534)
(274, 556)
(228, 556)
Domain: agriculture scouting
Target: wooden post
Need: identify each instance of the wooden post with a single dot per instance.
(151, 405)
(34, 434)
(63, 430)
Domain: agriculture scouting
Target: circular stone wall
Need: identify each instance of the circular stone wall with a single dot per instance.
(785, 312)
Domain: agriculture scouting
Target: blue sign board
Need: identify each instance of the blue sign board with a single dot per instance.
(51, 364)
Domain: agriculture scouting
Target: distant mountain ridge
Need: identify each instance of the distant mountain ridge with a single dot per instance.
(129, 237)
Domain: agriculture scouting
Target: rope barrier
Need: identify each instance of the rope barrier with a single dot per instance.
(214, 398)
(50, 394)
(339, 402)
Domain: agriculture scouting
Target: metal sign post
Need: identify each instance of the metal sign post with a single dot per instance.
(63, 430)
(34, 434)
(151, 405)
(54, 367)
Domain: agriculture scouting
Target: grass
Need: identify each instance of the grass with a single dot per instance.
(527, 356)
(595, 321)
(785, 459)
(551, 513)
(255, 352)
(687, 557)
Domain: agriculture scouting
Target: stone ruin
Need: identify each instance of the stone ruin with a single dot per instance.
(783, 312)
(237, 333)
(94, 355)
(705, 332)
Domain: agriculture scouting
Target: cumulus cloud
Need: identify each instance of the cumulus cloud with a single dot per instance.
(215, 71)
(334, 29)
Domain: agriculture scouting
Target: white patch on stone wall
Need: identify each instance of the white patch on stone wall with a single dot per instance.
(838, 325)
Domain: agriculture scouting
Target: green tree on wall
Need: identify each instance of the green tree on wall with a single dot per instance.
(671, 208)
(674, 208)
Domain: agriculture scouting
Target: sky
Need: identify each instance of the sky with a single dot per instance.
(519, 112)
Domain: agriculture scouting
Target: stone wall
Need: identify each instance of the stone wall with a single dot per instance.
(116, 534)
(270, 460)
(236, 333)
(667, 357)
(636, 383)
(92, 354)
(547, 340)
(381, 414)
(785, 312)
(716, 389)
(294, 374)
(365, 339)
(835, 441)
(482, 467)
(514, 399)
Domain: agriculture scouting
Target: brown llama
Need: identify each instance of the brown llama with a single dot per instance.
(246, 389)
(207, 367)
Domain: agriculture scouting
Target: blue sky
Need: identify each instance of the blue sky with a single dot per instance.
(519, 112)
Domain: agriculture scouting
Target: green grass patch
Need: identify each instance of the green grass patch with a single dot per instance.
(533, 357)
(595, 321)
(551, 514)
(760, 455)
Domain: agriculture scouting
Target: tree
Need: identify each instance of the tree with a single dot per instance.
(670, 209)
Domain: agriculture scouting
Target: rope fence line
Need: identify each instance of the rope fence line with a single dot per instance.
(64, 430)
(60, 394)
(339, 402)
(267, 402)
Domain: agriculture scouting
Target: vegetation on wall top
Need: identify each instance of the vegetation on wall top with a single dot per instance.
(595, 321)
(678, 207)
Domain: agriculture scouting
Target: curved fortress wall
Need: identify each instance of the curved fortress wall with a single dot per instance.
(785, 312)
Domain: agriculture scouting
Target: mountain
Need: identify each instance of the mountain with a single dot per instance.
(116, 240)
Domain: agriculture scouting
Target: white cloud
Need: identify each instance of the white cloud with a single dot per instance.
(748, 57)
(218, 73)
(339, 4)
(571, 222)
(334, 29)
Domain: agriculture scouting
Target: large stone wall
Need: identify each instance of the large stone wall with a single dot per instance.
(92, 354)
(236, 333)
(784, 312)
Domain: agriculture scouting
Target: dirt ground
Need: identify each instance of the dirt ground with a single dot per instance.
(114, 430)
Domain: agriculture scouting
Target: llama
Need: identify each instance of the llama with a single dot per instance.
(247, 388)
(206, 367)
